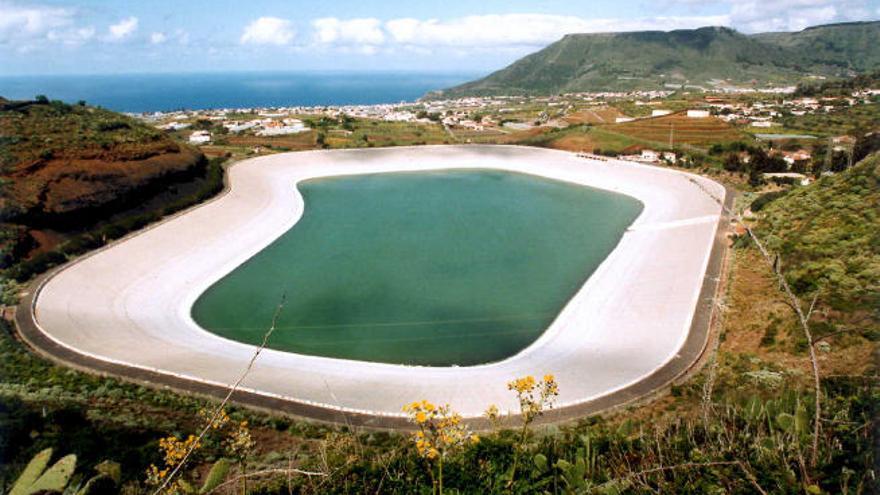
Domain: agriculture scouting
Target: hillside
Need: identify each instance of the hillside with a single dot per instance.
(704, 56)
(828, 235)
(851, 45)
(65, 168)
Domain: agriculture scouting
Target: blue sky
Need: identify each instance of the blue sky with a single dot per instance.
(91, 36)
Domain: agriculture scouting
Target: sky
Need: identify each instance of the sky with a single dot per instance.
(106, 37)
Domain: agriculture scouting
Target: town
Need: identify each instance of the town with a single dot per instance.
(674, 127)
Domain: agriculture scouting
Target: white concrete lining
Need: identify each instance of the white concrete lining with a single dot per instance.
(130, 304)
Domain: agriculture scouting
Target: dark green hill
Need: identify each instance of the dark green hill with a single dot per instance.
(852, 45)
(650, 59)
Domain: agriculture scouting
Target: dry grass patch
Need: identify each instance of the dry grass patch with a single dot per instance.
(293, 142)
(760, 324)
(597, 115)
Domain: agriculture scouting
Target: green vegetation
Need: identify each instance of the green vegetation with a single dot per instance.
(845, 120)
(698, 142)
(36, 479)
(847, 45)
(840, 87)
(741, 425)
(360, 133)
(829, 239)
(39, 129)
(650, 59)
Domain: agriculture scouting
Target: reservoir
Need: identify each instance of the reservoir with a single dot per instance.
(451, 267)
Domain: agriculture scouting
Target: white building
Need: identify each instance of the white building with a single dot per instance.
(200, 137)
(241, 126)
(698, 114)
(650, 156)
(660, 113)
(288, 126)
(623, 119)
(399, 117)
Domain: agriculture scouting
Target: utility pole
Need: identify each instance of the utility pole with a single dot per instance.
(671, 134)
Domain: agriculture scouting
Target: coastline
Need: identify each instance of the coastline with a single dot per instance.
(669, 339)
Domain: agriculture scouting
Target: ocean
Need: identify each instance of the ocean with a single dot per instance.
(164, 92)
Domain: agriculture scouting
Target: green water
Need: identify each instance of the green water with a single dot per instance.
(430, 268)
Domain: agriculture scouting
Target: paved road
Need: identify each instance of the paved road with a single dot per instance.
(637, 323)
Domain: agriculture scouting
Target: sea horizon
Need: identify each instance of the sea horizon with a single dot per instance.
(169, 91)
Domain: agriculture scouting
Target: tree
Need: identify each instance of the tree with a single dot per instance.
(732, 163)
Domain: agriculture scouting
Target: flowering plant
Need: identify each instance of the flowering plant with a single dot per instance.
(440, 432)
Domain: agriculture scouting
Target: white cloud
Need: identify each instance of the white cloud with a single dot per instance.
(524, 29)
(268, 31)
(784, 15)
(19, 23)
(781, 15)
(72, 37)
(158, 38)
(123, 29)
(349, 32)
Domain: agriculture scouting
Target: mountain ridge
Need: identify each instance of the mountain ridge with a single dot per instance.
(709, 55)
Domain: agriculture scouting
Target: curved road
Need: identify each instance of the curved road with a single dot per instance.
(640, 320)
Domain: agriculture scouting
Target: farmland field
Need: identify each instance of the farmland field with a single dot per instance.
(685, 130)
(593, 115)
(301, 141)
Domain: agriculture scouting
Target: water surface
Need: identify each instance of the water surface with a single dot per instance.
(164, 92)
(429, 268)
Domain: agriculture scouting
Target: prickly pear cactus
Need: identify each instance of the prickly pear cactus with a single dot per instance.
(37, 479)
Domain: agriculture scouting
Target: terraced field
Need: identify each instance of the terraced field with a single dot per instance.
(693, 131)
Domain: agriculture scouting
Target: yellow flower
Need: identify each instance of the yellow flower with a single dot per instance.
(549, 378)
(421, 417)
